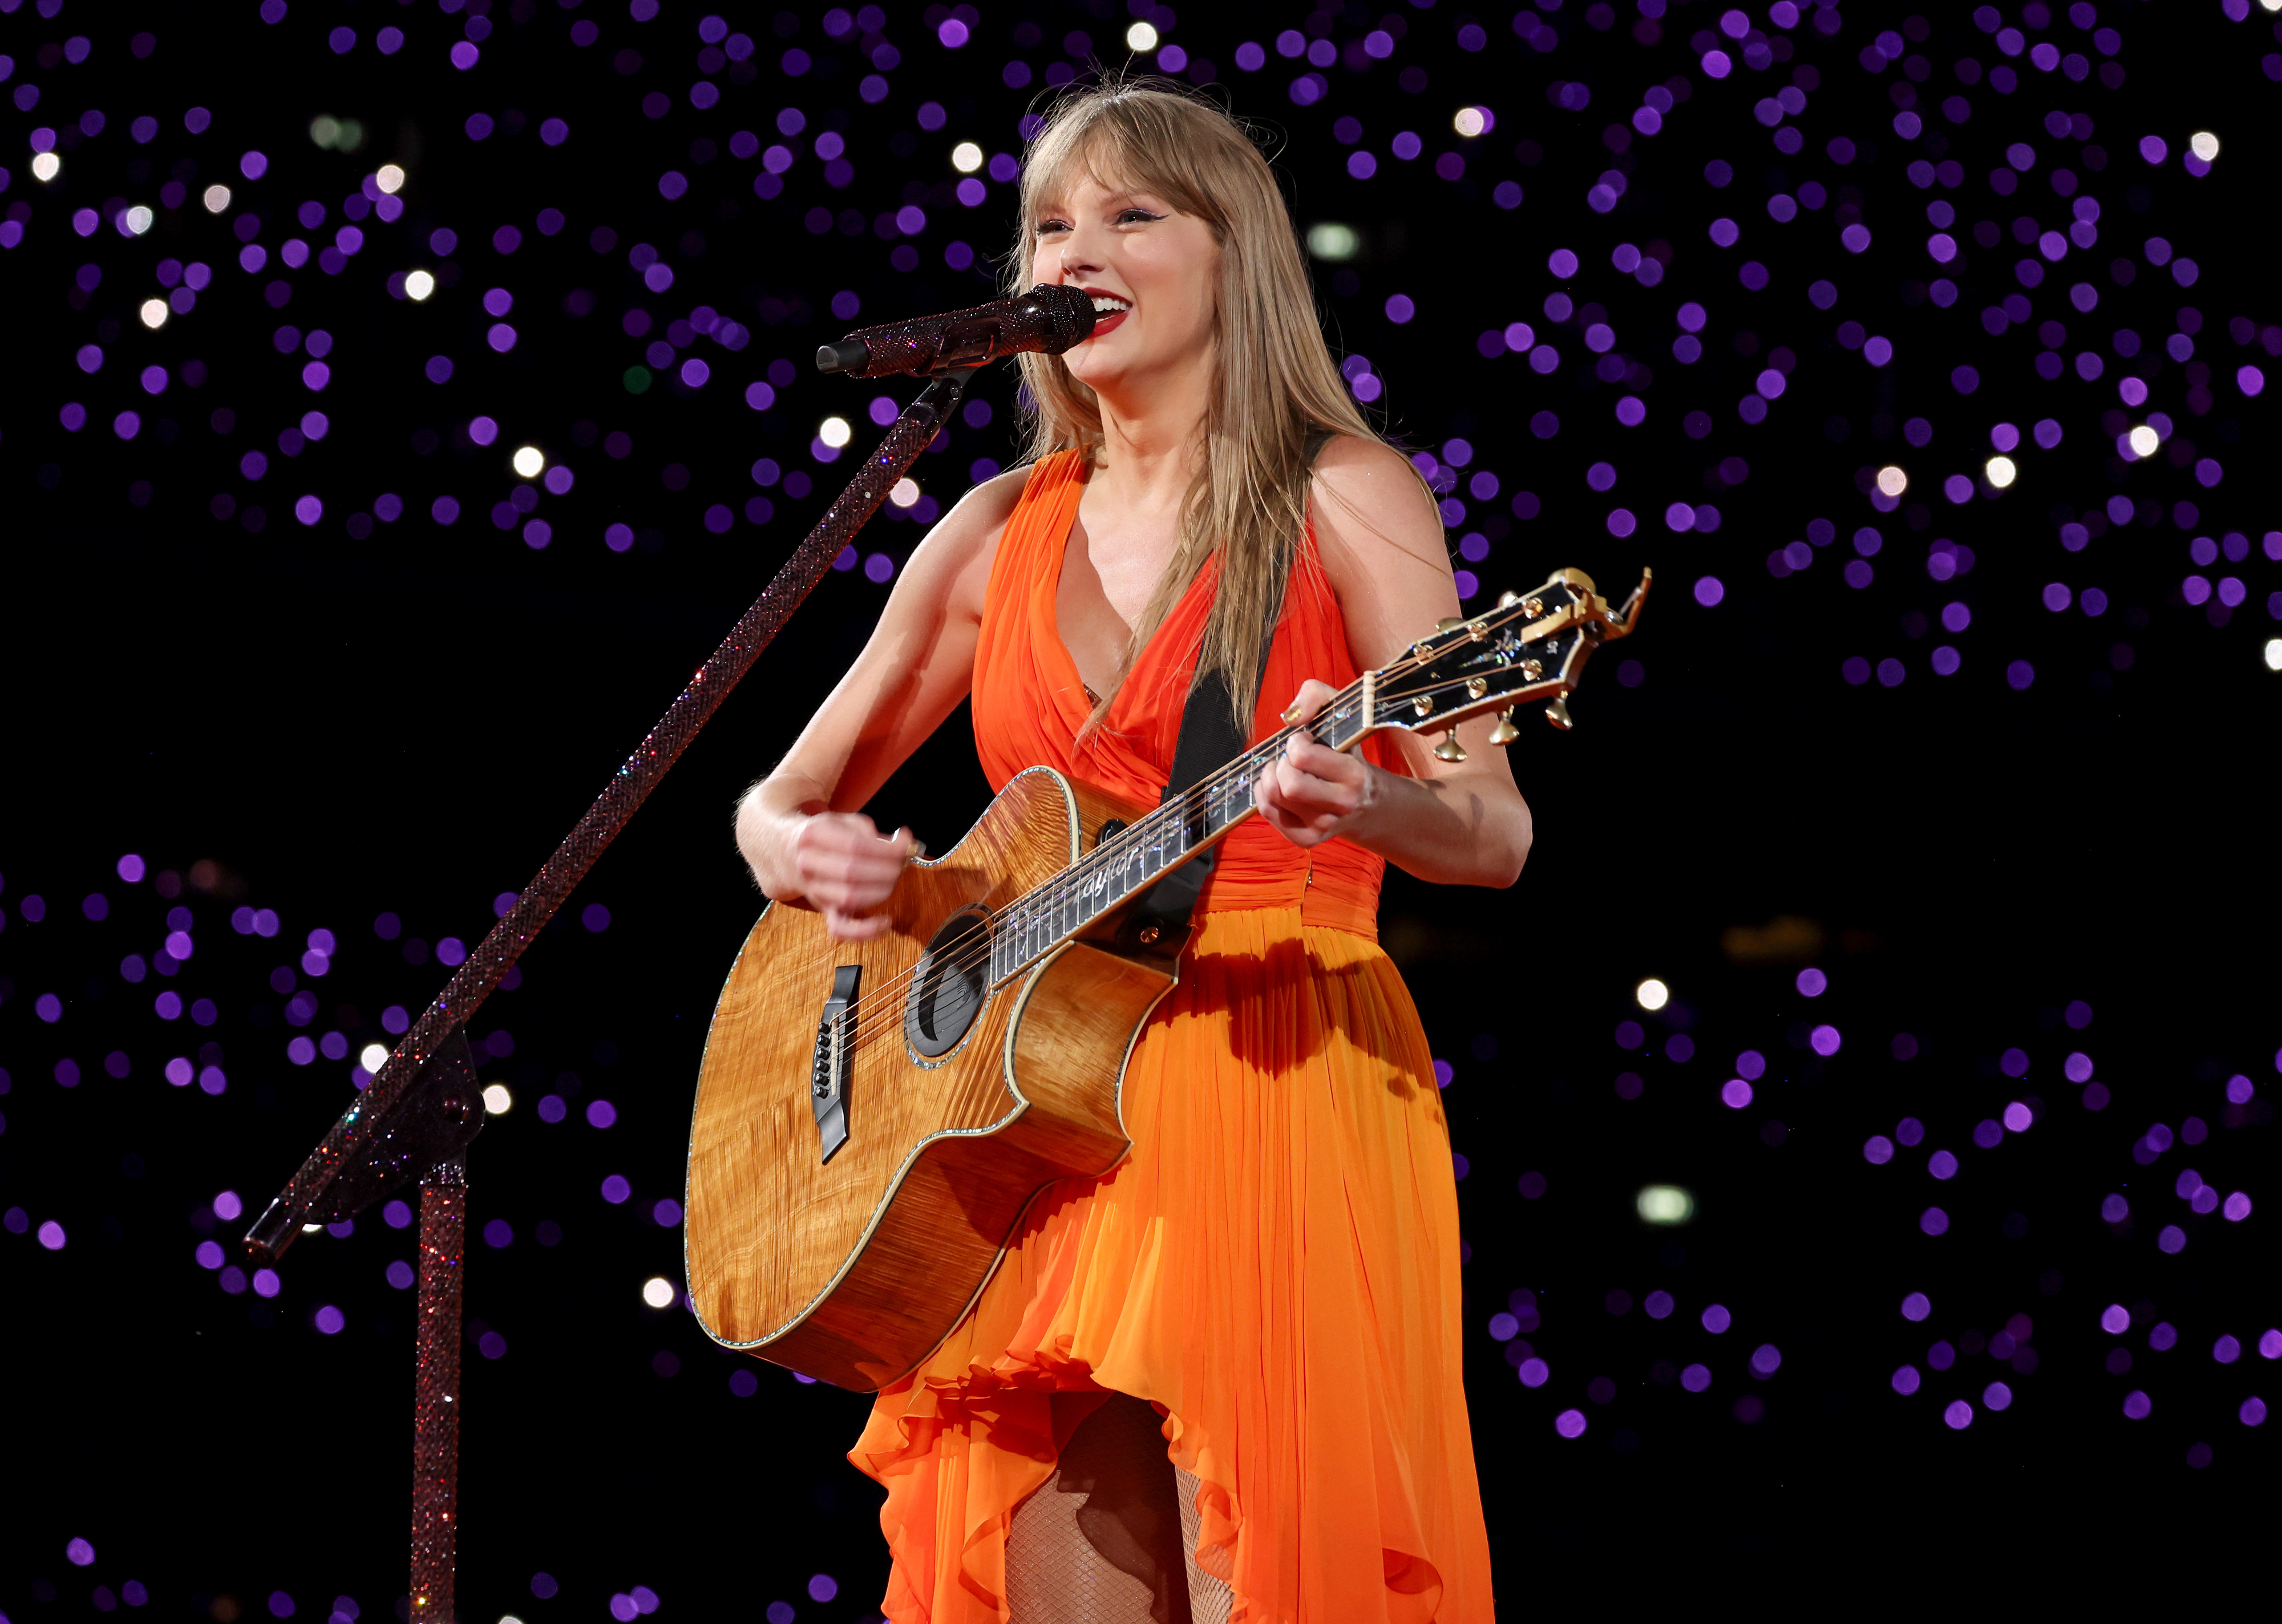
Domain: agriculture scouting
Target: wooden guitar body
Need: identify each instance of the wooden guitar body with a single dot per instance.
(853, 1269)
(873, 1117)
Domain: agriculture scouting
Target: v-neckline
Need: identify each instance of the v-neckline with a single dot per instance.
(1077, 682)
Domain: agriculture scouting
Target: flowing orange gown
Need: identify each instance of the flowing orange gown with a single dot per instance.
(1274, 1267)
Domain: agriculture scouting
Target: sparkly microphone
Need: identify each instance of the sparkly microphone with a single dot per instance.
(1047, 317)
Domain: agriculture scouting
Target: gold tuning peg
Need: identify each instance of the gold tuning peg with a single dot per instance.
(1449, 749)
(1450, 623)
(1505, 733)
(1557, 713)
(1506, 600)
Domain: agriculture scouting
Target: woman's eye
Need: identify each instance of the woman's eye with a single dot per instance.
(1136, 216)
(1047, 228)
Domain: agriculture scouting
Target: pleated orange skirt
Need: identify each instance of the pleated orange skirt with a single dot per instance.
(1274, 1267)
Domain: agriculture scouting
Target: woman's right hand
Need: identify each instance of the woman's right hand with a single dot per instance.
(845, 869)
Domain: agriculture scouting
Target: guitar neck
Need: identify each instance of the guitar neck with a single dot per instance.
(1137, 856)
(1524, 648)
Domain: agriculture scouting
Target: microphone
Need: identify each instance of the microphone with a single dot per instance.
(1048, 317)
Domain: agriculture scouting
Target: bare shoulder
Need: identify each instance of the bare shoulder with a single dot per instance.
(972, 527)
(952, 564)
(1372, 517)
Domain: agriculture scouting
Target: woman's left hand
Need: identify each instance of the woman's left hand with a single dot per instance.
(1311, 793)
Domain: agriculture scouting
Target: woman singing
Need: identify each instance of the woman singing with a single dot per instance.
(1221, 1381)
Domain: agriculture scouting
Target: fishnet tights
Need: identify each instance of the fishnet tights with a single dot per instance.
(1111, 1538)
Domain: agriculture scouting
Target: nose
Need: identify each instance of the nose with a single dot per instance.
(1075, 268)
(1079, 254)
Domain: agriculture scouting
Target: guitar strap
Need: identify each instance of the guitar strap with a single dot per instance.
(1158, 921)
(1209, 740)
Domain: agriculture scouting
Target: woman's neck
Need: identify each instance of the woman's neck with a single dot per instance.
(1152, 437)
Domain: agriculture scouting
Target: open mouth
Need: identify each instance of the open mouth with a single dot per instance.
(1109, 311)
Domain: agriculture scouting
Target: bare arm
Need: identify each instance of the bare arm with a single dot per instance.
(798, 828)
(1454, 823)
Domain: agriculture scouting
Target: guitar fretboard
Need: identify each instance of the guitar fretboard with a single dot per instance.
(1522, 646)
(1139, 855)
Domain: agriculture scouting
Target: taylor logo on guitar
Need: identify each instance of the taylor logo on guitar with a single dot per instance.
(872, 1117)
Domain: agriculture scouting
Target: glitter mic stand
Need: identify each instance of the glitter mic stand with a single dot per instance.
(421, 1110)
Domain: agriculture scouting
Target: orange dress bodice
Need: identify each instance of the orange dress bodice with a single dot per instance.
(1029, 704)
(1274, 1266)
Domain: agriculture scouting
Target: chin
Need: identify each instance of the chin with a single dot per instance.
(1093, 370)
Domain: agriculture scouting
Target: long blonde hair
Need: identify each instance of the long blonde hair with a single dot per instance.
(1276, 391)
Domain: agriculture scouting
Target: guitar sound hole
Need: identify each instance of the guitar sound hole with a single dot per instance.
(948, 990)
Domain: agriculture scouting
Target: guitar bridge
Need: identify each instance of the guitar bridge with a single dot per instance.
(834, 1062)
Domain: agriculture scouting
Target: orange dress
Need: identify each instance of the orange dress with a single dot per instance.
(1275, 1266)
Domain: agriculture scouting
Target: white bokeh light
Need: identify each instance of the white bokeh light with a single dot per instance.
(135, 221)
(658, 1291)
(530, 462)
(497, 1100)
(1664, 1204)
(1652, 994)
(1470, 121)
(217, 199)
(418, 286)
(2144, 440)
(966, 158)
(374, 1057)
(153, 314)
(2203, 144)
(1892, 481)
(389, 178)
(2274, 654)
(833, 432)
(2002, 472)
(46, 167)
(1141, 36)
(906, 493)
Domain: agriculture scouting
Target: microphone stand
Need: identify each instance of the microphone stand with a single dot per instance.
(425, 1107)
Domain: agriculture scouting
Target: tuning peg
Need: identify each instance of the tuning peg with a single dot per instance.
(1449, 749)
(1450, 623)
(1505, 733)
(1557, 713)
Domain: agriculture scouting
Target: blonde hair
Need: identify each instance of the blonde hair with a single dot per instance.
(1276, 392)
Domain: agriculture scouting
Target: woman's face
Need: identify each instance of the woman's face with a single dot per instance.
(1153, 272)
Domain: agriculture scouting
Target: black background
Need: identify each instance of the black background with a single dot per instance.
(406, 722)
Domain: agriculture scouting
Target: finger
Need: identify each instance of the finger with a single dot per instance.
(1308, 702)
(848, 926)
(1321, 802)
(1268, 795)
(1321, 761)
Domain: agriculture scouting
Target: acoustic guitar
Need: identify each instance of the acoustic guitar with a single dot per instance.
(873, 1117)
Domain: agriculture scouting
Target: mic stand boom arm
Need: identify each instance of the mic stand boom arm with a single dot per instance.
(417, 1118)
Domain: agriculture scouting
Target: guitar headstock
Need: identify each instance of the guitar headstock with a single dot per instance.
(1530, 645)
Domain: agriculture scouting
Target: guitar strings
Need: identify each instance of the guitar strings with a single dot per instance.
(1048, 899)
(874, 1018)
(1059, 892)
(1104, 860)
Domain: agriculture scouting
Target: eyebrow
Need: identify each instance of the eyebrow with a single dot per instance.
(1127, 197)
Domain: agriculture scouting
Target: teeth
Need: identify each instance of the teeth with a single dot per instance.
(1104, 303)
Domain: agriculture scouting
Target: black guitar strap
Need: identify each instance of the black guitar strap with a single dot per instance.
(1158, 921)
(1209, 740)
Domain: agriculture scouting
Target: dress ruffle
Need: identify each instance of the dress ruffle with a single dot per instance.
(1275, 1266)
